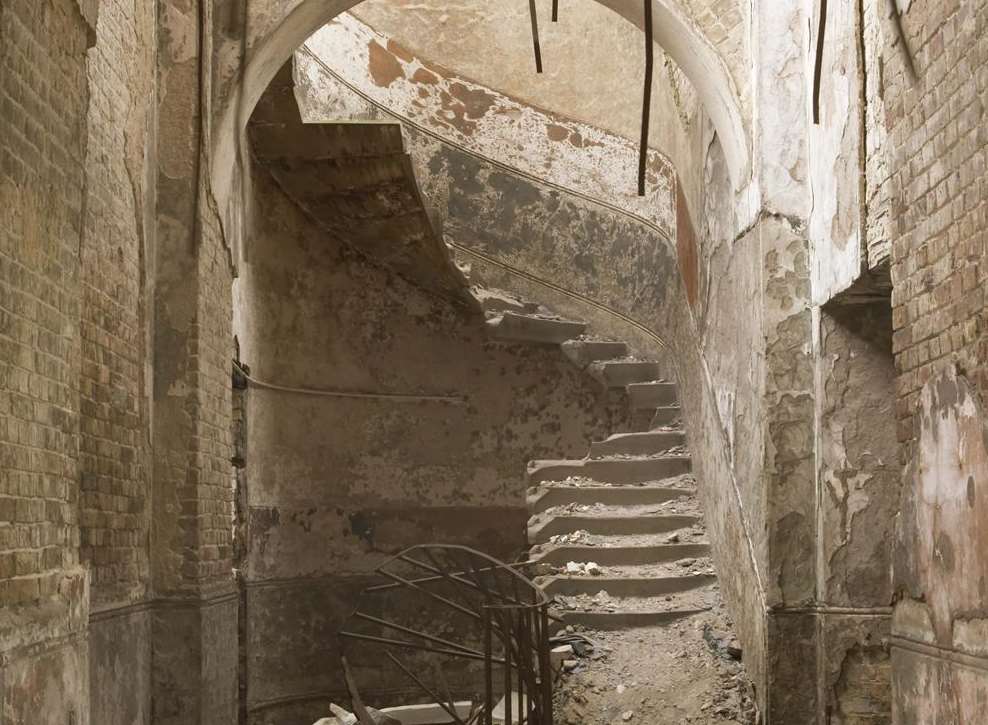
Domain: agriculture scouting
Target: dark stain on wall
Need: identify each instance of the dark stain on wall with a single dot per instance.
(686, 247)
(384, 68)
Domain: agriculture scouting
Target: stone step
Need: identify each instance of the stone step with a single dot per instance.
(610, 470)
(648, 443)
(611, 621)
(619, 373)
(515, 327)
(637, 587)
(665, 416)
(651, 395)
(495, 301)
(585, 352)
(617, 555)
(547, 496)
(540, 532)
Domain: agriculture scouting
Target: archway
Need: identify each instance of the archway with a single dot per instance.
(283, 33)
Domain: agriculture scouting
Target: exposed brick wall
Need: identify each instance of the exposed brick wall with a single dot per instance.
(938, 146)
(114, 444)
(43, 102)
(213, 492)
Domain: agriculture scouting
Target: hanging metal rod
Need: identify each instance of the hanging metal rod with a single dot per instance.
(821, 36)
(647, 97)
(393, 397)
(534, 14)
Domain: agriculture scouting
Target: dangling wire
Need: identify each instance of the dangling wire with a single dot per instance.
(535, 35)
(821, 36)
(555, 11)
(647, 100)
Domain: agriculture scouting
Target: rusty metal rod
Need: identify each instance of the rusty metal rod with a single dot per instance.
(448, 602)
(488, 666)
(412, 645)
(546, 666)
(450, 710)
(534, 13)
(506, 632)
(415, 633)
(441, 676)
(458, 577)
(647, 99)
(428, 579)
(356, 701)
(821, 35)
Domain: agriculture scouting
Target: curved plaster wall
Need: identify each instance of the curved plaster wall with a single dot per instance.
(348, 59)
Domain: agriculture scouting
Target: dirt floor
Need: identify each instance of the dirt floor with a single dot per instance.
(686, 672)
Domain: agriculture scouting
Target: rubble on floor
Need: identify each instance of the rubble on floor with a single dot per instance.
(698, 680)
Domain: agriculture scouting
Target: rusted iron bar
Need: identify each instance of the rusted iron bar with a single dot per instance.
(545, 662)
(415, 633)
(440, 574)
(428, 579)
(451, 711)
(357, 702)
(534, 13)
(821, 36)
(441, 676)
(413, 645)
(488, 666)
(506, 634)
(513, 621)
(433, 595)
(647, 98)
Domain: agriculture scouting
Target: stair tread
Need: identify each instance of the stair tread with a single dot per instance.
(700, 598)
(684, 566)
(610, 621)
(687, 535)
(684, 505)
(543, 462)
(536, 316)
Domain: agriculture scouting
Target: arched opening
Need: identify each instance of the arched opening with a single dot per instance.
(277, 41)
(332, 485)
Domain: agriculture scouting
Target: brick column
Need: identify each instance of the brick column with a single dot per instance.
(194, 623)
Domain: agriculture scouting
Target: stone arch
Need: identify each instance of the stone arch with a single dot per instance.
(280, 33)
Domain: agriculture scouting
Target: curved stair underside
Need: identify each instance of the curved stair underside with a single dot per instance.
(355, 181)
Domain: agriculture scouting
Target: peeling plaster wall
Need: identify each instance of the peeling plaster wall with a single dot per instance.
(858, 497)
(445, 104)
(834, 156)
(335, 486)
(858, 455)
(593, 63)
(940, 624)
